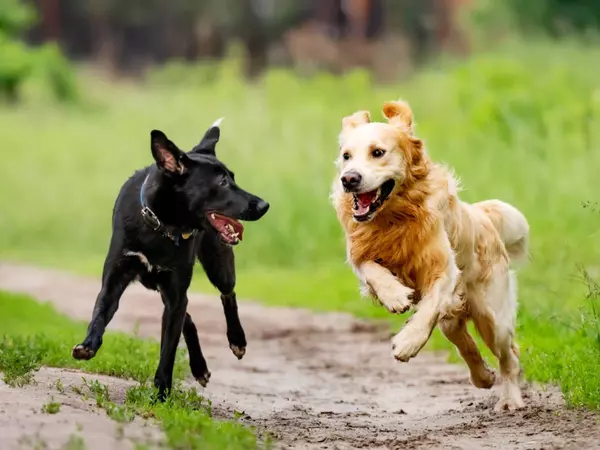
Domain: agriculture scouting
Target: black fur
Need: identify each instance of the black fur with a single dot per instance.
(180, 189)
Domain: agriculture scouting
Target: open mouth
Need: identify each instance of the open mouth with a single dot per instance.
(366, 203)
(230, 230)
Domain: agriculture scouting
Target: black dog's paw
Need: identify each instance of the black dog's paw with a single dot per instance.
(203, 379)
(238, 351)
(82, 352)
(160, 396)
(237, 341)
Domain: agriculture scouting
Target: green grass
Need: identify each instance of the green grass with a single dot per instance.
(37, 335)
(185, 418)
(521, 124)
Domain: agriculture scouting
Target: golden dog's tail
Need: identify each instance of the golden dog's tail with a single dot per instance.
(512, 226)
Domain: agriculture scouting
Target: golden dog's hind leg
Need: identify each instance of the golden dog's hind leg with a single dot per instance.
(455, 330)
(494, 315)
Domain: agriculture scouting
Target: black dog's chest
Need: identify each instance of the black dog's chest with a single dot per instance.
(155, 263)
(164, 253)
(150, 280)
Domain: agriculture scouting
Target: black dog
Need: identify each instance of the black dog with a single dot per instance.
(187, 205)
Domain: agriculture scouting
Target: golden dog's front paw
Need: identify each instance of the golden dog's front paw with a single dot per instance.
(406, 345)
(397, 301)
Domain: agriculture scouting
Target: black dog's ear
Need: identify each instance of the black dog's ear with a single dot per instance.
(168, 157)
(209, 141)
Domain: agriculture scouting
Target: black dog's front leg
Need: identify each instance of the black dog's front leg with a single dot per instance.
(219, 264)
(118, 274)
(174, 316)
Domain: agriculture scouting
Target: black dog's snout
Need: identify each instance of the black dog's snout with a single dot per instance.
(257, 208)
(262, 207)
(351, 180)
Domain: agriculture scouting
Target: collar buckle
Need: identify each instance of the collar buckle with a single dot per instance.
(151, 218)
(153, 222)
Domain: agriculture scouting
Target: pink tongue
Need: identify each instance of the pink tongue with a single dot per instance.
(364, 202)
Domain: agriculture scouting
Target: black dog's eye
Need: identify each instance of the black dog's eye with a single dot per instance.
(346, 156)
(377, 153)
(224, 182)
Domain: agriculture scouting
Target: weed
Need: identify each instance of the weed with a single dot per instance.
(120, 430)
(75, 442)
(51, 407)
(593, 297)
(116, 412)
(34, 442)
(19, 359)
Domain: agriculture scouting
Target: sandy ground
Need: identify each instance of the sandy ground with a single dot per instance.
(24, 426)
(316, 381)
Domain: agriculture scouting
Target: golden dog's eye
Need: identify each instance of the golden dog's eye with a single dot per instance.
(346, 156)
(377, 153)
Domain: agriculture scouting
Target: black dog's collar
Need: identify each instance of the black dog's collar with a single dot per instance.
(153, 222)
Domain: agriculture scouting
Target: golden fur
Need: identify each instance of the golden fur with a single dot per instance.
(424, 247)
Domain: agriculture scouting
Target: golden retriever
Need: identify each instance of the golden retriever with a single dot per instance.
(412, 242)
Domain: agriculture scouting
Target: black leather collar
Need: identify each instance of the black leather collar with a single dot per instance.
(154, 222)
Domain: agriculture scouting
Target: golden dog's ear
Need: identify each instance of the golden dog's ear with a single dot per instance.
(399, 114)
(355, 120)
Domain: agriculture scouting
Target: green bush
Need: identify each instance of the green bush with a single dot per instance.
(58, 72)
(15, 16)
(18, 62)
(15, 66)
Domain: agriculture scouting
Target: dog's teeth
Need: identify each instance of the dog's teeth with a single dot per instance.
(212, 216)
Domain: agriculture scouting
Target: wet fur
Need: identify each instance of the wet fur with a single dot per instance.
(425, 248)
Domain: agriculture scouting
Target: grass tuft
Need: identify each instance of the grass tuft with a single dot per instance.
(51, 407)
(19, 359)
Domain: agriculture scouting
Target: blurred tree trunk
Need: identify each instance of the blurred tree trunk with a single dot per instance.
(165, 31)
(104, 39)
(449, 35)
(50, 15)
(209, 41)
(252, 32)
(358, 16)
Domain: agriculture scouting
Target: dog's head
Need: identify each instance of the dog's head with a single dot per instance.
(205, 187)
(377, 159)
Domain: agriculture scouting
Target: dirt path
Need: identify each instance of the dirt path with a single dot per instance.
(325, 381)
(23, 425)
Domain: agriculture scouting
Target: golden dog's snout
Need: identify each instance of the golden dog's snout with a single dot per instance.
(351, 180)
